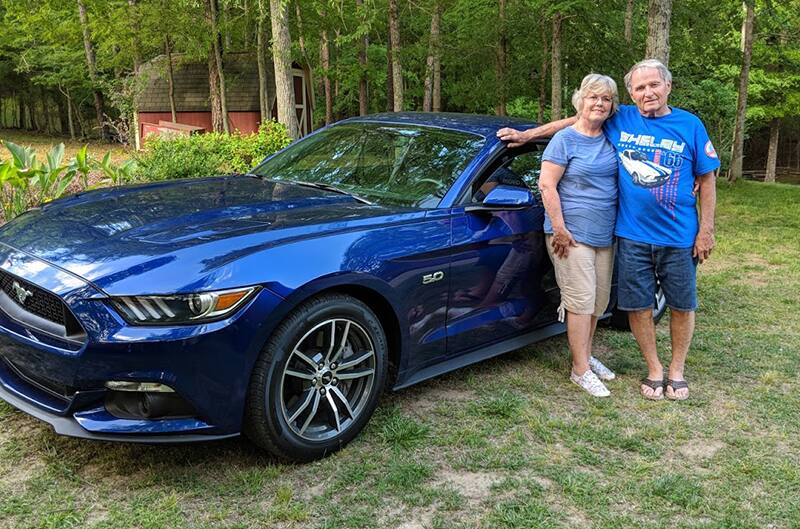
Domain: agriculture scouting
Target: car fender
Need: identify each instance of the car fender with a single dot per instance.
(366, 287)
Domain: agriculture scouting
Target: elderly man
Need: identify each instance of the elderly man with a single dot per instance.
(664, 153)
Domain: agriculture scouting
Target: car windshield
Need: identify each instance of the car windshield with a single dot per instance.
(401, 165)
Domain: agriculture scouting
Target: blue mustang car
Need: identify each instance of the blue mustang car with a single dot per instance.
(373, 254)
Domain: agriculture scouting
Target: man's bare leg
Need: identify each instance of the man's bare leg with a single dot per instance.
(681, 328)
(644, 330)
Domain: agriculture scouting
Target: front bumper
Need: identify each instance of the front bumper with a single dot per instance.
(62, 382)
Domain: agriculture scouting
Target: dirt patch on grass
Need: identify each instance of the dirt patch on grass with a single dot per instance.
(400, 518)
(701, 449)
(473, 486)
(417, 519)
(423, 401)
(19, 473)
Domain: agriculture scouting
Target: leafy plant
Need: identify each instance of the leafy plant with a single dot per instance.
(117, 175)
(208, 154)
(24, 180)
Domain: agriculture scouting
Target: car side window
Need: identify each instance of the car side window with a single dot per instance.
(513, 168)
(413, 163)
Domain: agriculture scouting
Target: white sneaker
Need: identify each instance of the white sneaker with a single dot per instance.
(602, 372)
(590, 383)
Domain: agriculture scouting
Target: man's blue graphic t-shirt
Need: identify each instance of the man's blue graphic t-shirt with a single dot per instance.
(658, 160)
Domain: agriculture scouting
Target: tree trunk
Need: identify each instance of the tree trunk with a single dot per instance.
(629, 22)
(137, 64)
(261, 56)
(389, 77)
(225, 36)
(543, 79)
(501, 58)
(213, 94)
(247, 30)
(555, 65)
(91, 63)
(170, 79)
(437, 82)
(70, 123)
(397, 70)
(325, 59)
(363, 103)
(301, 39)
(735, 171)
(772, 153)
(216, 40)
(282, 58)
(135, 32)
(433, 56)
(337, 77)
(658, 22)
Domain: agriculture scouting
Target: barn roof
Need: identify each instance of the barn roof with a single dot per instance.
(191, 84)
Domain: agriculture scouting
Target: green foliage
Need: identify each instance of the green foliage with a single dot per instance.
(208, 154)
(25, 181)
(714, 102)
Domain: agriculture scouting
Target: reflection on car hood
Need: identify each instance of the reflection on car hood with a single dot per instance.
(103, 235)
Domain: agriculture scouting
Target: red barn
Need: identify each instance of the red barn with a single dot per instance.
(192, 103)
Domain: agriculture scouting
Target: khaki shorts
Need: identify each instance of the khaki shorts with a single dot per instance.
(584, 278)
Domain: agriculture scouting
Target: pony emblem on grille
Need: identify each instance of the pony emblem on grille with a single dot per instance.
(20, 292)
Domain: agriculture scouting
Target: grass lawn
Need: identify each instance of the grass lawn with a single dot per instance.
(509, 443)
(42, 143)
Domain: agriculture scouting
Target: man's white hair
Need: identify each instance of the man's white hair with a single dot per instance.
(596, 83)
(655, 64)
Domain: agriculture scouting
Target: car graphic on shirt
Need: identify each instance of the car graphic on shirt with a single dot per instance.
(644, 172)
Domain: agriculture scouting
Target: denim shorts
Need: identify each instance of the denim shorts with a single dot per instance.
(641, 265)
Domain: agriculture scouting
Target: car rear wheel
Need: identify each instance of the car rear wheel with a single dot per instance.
(619, 318)
(318, 379)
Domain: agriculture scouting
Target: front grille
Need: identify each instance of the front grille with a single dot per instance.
(39, 302)
(50, 387)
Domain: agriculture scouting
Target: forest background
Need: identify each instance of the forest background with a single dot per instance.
(69, 67)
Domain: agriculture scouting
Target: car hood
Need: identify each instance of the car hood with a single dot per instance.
(112, 235)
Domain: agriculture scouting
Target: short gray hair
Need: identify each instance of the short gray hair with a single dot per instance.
(596, 83)
(655, 64)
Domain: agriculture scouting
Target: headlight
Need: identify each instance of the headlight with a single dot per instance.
(181, 308)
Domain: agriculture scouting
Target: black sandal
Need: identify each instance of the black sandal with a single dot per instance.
(654, 385)
(676, 385)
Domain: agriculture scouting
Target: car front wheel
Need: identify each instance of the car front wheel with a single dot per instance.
(318, 380)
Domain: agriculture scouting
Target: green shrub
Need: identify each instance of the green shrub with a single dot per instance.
(208, 154)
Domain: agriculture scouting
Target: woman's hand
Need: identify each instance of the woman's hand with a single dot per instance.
(562, 241)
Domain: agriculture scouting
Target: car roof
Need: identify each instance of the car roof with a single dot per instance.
(483, 125)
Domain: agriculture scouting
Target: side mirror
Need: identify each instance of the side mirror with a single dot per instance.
(505, 197)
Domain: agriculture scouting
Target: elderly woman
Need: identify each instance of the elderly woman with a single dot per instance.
(579, 190)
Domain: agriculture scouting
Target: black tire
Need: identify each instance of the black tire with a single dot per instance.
(302, 413)
(619, 318)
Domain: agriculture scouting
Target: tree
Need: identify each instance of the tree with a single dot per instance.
(555, 68)
(658, 24)
(91, 65)
(628, 31)
(501, 60)
(363, 101)
(261, 58)
(282, 59)
(397, 69)
(325, 62)
(212, 9)
(741, 105)
(433, 59)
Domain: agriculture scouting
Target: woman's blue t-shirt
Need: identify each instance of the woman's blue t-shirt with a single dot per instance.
(588, 188)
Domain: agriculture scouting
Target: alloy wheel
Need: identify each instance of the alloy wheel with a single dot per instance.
(327, 379)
